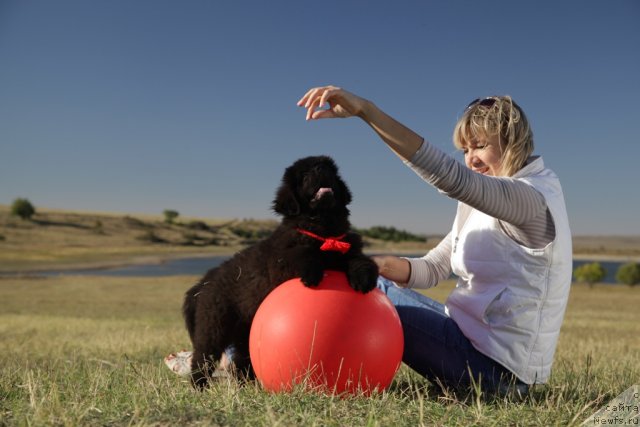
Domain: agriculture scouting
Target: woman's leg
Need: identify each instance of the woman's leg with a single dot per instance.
(435, 347)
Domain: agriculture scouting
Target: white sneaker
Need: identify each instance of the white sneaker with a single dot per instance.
(180, 362)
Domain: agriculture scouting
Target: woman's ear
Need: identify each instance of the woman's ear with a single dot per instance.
(286, 202)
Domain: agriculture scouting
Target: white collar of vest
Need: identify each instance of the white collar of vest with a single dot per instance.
(534, 165)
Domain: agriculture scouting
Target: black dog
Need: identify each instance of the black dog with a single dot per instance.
(312, 236)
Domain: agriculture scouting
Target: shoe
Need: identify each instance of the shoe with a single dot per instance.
(180, 362)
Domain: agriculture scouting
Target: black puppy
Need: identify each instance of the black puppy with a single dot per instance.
(313, 236)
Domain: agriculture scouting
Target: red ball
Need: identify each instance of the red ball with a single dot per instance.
(329, 338)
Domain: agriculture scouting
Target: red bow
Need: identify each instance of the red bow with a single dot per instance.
(329, 243)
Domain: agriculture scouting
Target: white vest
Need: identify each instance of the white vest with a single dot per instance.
(510, 300)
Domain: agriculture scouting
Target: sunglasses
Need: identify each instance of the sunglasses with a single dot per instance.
(484, 102)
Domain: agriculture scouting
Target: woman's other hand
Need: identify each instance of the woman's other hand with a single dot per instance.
(341, 103)
(393, 268)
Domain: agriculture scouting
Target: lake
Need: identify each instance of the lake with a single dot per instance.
(200, 265)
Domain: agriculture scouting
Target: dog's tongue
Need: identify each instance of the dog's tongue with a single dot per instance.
(322, 191)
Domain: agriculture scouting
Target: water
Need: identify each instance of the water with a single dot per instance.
(200, 265)
(176, 267)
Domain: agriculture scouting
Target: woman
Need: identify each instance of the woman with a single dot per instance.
(510, 246)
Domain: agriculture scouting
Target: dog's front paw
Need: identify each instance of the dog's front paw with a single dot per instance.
(363, 275)
(312, 276)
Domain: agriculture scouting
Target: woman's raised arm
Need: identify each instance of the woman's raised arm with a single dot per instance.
(341, 104)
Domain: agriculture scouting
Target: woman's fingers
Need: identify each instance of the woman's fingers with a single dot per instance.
(318, 97)
(312, 93)
(303, 100)
(323, 114)
(326, 94)
(311, 105)
(306, 96)
(310, 96)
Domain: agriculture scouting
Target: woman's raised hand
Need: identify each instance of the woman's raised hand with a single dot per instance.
(341, 103)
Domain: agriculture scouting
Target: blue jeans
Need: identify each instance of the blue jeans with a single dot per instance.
(436, 348)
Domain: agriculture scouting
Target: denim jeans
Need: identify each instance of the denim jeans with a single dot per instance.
(436, 348)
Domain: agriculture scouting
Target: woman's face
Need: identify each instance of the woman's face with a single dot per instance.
(484, 155)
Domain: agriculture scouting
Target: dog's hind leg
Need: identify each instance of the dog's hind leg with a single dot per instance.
(189, 309)
(241, 357)
(209, 341)
(202, 367)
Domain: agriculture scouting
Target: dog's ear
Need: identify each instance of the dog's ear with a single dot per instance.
(286, 203)
(344, 190)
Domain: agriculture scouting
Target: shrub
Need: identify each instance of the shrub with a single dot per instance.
(151, 237)
(170, 215)
(629, 274)
(189, 238)
(98, 228)
(135, 222)
(251, 235)
(198, 225)
(390, 234)
(589, 273)
(22, 208)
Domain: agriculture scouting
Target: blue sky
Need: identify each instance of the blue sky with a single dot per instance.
(140, 106)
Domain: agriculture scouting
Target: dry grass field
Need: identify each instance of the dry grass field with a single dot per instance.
(88, 351)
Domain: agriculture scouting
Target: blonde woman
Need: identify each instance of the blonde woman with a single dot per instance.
(509, 246)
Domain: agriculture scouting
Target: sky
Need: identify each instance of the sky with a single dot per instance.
(132, 106)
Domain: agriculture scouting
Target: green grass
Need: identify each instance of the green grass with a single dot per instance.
(88, 351)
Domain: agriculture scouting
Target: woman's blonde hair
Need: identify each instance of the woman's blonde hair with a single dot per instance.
(501, 116)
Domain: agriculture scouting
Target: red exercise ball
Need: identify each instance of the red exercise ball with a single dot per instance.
(329, 338)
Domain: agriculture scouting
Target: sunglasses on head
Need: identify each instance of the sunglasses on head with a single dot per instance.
(484, 102)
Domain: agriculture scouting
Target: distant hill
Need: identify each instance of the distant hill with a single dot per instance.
(62, 239)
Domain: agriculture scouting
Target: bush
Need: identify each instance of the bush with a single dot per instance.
(390, 234)
(22, 208)
(135, 222)
(189, 238)
(170, 215)
(98, 227)
(250, 235)
(198, 225)
(151, 237)
(629, 274)
(589, 273)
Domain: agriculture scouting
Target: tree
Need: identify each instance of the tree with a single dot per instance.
(391, 234)
(170, 215)
(589, 273)
(22, 208)
(629, 273)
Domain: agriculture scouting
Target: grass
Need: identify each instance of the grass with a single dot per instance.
(88, 351)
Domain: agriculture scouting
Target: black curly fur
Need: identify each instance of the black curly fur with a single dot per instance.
(219, 309)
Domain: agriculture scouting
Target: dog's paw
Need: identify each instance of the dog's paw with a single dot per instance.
(363, 276)
(312, 276)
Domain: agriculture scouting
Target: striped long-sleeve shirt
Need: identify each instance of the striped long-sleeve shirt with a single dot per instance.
(520, 208)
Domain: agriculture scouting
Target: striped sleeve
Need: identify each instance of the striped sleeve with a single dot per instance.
(435, 266)
(504, 198)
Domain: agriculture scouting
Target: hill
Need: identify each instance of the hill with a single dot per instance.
(55, 239)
